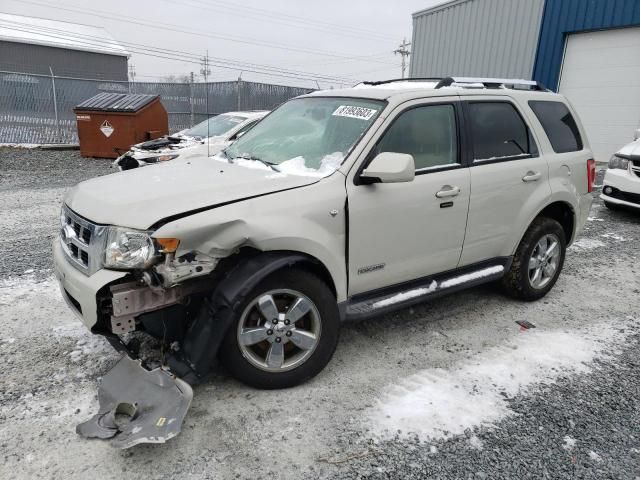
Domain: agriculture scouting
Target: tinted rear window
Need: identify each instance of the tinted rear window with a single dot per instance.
(558, 124)
(499, 132)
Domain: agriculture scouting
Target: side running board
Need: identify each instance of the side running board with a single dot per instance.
(411, 293)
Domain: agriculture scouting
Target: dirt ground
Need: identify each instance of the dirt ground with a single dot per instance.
(449, 389)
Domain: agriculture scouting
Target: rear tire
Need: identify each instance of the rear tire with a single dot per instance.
(537, 262)
(277, 350)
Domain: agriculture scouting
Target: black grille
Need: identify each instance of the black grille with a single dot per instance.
(84, 256)
(86, 236)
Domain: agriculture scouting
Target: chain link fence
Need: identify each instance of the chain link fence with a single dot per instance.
(38, 109)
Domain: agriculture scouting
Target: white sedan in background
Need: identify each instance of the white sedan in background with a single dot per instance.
(621, 186)
(205, 138)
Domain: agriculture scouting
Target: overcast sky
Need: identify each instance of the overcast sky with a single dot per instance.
(311, 36)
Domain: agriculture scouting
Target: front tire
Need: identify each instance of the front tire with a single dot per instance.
(285, 331)
(538, 261)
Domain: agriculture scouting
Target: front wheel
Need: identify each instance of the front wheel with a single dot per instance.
(285, 332)
(538, 261)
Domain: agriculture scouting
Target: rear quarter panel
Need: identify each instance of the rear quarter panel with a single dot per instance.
(568, 177)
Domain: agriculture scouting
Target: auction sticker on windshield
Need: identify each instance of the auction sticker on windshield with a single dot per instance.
(350, 111)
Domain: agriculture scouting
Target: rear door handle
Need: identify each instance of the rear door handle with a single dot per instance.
(531, 176)
(448, 191)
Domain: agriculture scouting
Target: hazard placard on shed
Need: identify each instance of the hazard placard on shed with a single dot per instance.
(110, 123)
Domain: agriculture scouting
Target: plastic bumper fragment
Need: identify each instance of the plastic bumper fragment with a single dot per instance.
(138, 406)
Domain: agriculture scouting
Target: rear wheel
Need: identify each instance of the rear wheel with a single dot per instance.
(285, 332)
(538, 261)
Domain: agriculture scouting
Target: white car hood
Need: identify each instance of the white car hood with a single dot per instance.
(630, 149)
(141, 197)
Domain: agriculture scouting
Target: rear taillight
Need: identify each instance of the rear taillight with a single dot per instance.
(591, 174)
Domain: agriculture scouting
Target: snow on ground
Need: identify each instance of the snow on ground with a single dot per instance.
(569, 443)
(20, 145)
(614, 236)
(16, 288)
(586, 244)
(440, 403)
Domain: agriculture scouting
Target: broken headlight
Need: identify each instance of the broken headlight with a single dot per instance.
(128, 249)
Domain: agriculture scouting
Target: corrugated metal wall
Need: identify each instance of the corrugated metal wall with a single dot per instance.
(562, 17)
(36, 59)
(495, 38)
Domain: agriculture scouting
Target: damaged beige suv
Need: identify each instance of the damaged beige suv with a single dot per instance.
(339, 205)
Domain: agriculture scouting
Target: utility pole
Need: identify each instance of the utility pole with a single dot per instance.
(132, 75)
(191, 100)
(403, 51)
(205, 71)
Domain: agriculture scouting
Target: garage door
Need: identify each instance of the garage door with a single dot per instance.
(601, 77)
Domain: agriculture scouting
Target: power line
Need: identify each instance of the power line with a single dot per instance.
(171, 27)
(284, 19)
(92, 41)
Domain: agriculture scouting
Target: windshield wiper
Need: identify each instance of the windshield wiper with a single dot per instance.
(256, 159)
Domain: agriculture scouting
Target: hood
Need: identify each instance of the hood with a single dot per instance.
(630, 150)
(140, 197)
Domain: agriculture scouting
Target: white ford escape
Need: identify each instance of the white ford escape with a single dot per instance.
(338, 205)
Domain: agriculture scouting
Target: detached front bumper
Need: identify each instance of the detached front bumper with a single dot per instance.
(79, 290)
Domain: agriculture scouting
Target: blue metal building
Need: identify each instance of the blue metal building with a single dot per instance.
(588, 50)
(562, 18)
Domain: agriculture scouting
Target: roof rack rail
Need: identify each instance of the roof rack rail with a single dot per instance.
(470, 82)
(393, 80)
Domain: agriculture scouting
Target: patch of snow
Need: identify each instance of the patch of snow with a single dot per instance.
(401, 297)
(586, 244)
(243, 162)
(614, 236)
(594, 456)
(595, 219)
(433, 449)
(485, 272)
(438, 403)
(89, 346)
(15, 288)
(569, 443)
(296, 166)
(20, 145)
(7, 340)
(476, 443)
(407, 85)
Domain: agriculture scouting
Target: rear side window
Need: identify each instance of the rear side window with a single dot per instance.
(498, 132)
(558, 124)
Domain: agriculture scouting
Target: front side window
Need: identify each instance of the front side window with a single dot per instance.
(307, 136)
(215, 126)
(427, 133)
(498, 132)
(558, 124)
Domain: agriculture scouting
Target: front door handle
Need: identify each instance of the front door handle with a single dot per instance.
(531, 176)
(448, 191)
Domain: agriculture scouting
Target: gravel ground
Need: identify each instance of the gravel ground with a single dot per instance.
(449, 389)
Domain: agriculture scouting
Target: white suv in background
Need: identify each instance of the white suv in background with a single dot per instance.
(339, 205)
(621, 186)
